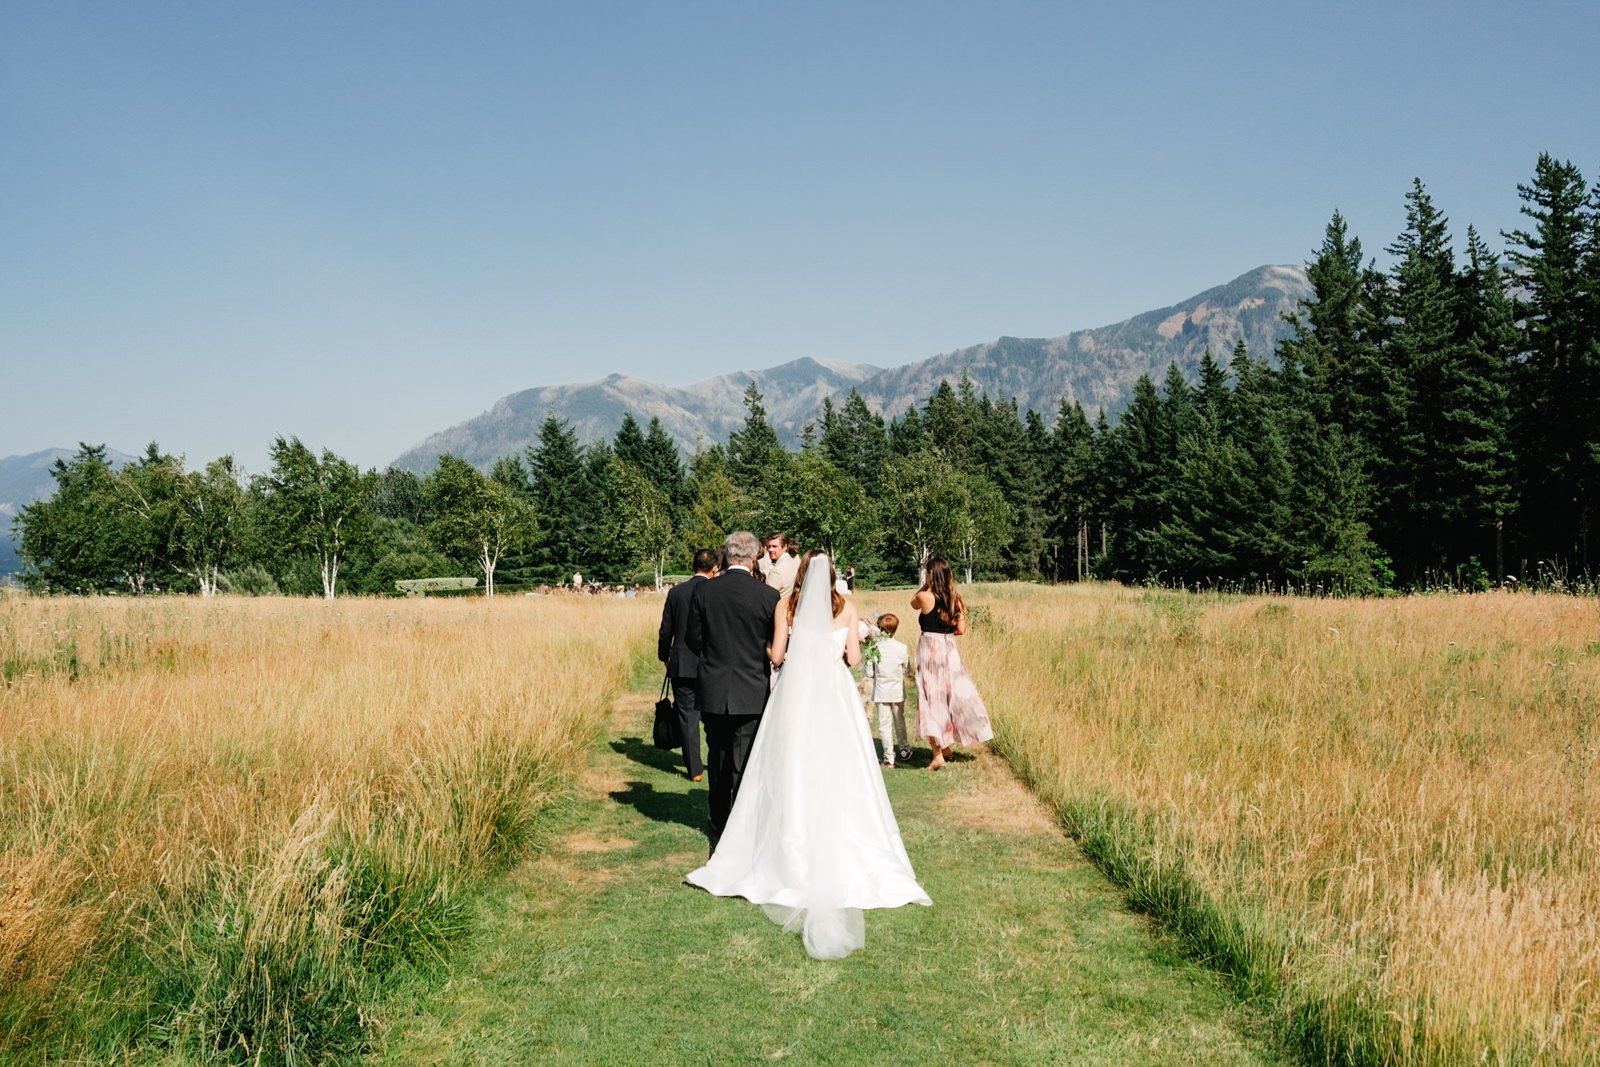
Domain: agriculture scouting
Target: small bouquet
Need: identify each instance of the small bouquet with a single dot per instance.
(870, 653)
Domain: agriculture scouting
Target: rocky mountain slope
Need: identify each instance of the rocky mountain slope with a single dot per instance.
(1097, 367)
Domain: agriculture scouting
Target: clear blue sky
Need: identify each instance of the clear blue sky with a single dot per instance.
(362, 222)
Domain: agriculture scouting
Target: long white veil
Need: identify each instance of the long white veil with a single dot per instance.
(813, 616)
(806, 686)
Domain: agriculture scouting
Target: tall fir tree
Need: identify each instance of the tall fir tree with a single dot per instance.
(1476, 415)
(908, 434)
(854, 440)
(1333, 344)
(1557, 382)
(1419, 351)
(558, 489)
(1067, 496)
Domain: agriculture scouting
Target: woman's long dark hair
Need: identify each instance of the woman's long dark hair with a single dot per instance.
(800, 582)
(941, 583)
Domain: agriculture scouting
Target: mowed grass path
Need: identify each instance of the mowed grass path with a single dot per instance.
(595, 952)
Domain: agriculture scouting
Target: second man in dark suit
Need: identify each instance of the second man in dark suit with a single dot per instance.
(730, 626)
(672, 648)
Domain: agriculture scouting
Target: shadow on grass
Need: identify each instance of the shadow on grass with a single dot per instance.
(668, 761)
(685, 809)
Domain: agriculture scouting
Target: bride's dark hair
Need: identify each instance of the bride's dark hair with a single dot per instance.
(800, 583)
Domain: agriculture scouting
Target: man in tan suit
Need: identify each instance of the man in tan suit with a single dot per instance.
(779, 563)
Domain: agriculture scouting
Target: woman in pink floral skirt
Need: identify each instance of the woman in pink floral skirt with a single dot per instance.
(949, 710)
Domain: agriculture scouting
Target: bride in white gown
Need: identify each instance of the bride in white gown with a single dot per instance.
(812, 838)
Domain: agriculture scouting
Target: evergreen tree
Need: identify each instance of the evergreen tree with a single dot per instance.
(855, 441)
(663, 464)
(753, 452)
(1557, 384)
(1067, 498)
(1420, 347)
(1211, 394)
(398, 495)
(1476, 414)
(605, 549)
(1333, 346)
(65, 545)
(1002, 450)
(512, 473)
(1260, 480)
(559, 491)
(950, 420)
(1135, 456)
(907, 434)
(629, 444)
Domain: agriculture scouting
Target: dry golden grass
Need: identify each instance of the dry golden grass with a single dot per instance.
(1388, 808)
(202, 803)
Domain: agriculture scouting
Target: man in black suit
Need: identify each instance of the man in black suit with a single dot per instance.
(672, 648)
(730, 626)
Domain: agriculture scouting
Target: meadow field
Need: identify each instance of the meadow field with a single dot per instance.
(223, 822)
(1381, 816)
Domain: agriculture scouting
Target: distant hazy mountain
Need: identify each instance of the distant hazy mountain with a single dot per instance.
(703, 411)
(24, 479)
(1096, 367)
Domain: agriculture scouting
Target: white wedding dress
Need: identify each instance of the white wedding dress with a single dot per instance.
(812, 837)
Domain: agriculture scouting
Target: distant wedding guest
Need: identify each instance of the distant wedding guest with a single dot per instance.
(577, 582)
(850, 576)
(779, 562)
(672, 648)
(886, 675)
(949, 710)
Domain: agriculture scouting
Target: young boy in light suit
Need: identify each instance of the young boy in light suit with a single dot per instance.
(887, 677)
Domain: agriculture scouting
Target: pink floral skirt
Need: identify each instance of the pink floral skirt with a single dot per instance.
(948, 705)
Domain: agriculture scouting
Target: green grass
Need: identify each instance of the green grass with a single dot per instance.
(595, 952)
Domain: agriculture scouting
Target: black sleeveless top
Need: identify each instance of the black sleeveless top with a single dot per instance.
(930, 623)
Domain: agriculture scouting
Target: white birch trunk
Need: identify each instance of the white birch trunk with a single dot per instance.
(487, 561)
(330, 575)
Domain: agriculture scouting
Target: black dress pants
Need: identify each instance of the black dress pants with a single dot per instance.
(728, 741)
(685, 699)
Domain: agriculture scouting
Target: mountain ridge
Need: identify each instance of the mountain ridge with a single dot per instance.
(1096, 367)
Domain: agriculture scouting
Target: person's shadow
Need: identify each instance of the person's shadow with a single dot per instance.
(661, 759)
(686, 809)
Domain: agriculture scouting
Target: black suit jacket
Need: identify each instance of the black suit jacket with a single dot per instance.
(672, 644)
(730, 624)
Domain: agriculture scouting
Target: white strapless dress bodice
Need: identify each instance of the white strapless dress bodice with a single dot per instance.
(812, 837)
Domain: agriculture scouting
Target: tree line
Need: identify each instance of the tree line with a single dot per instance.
(1435, 424)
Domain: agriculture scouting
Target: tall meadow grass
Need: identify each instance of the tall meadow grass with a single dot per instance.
(1380, 815)
(222, 822)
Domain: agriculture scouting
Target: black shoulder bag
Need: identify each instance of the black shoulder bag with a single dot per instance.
(666, 733)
